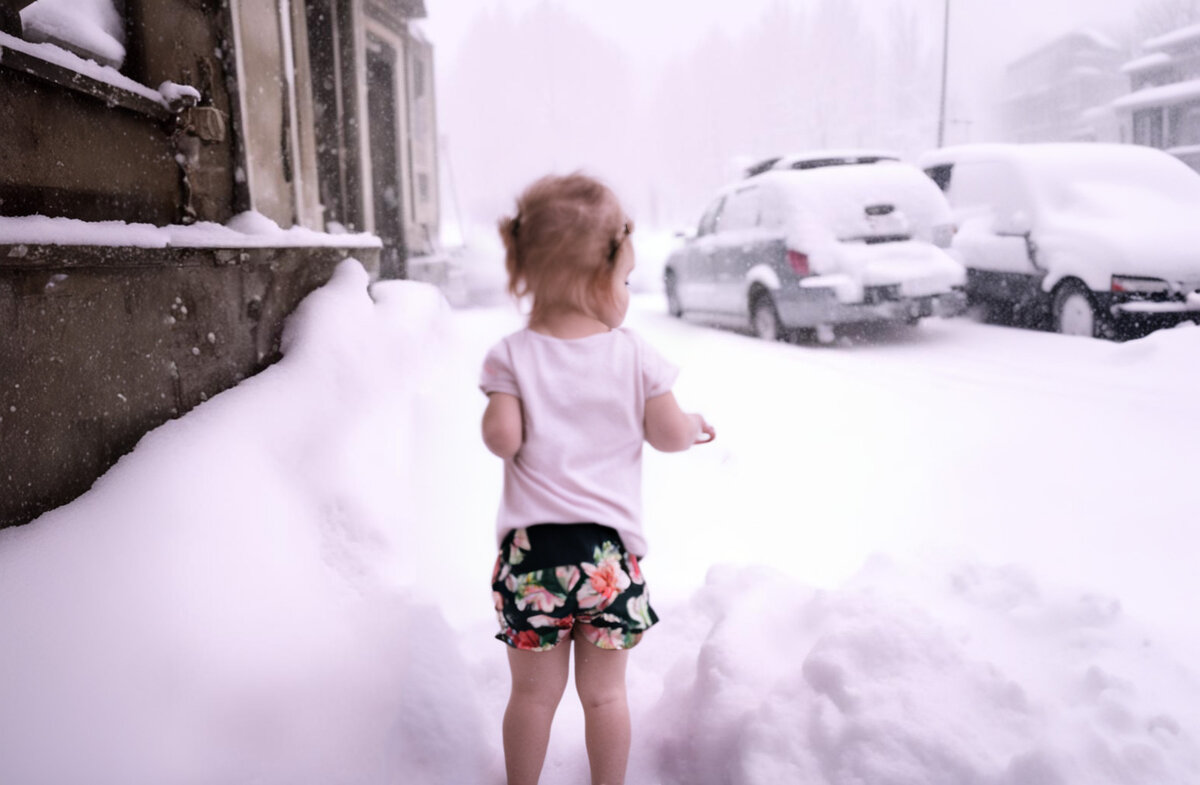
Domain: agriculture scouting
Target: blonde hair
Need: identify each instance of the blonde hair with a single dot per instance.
(561, 246)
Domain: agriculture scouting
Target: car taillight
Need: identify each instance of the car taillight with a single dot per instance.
(798, 261)
(1129, 284)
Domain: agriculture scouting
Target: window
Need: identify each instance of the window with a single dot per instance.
(941, 175)
(741, 210)
(711, 220)
(418, 76)
(1148, 127)
(1185, 126)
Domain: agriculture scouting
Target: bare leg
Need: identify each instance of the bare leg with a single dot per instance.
(600, 680)
(538, 681)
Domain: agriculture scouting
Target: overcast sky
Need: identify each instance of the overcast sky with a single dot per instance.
(653, 30)
(655, 35)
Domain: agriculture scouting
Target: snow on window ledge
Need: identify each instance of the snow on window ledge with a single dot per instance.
(245, 230)
(55, 64)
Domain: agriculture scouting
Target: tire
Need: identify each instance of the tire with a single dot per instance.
(764, 318)
(1074, 311)
(674, 306)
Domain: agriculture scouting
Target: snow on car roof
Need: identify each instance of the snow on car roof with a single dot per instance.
(1127, 164)
(1085, 155)
(839, 195)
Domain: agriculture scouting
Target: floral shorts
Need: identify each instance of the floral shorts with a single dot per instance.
(551, 576)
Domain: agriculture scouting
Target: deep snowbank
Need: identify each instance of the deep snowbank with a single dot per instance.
(225, 605)
(980, 677)
(262, 591)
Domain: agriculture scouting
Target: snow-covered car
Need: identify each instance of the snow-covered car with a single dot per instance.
(813, 159)
(1093, 239)
(800, 250)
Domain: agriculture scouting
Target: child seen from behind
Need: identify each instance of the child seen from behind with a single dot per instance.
(571, 399)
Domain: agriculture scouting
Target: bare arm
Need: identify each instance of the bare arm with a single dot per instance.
(671, 429)
(503, 428)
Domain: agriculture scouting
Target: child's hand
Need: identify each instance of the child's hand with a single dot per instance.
(706, 432)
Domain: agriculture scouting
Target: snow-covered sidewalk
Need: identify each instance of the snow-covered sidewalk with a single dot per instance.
(957, 556)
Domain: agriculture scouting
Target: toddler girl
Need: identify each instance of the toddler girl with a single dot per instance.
(571, 398)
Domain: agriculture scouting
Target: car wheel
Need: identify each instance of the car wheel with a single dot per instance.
(674, 306)
(1075, 312)
(764, 319)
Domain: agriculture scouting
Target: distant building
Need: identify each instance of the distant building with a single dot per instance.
(1163, 109)
(1062, 91)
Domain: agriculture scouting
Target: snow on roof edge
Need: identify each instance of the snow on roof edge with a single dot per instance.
(1095, 36)
(1178, 36)
(1162, 95)
(1146, 62)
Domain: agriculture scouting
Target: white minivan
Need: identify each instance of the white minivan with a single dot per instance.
(1092, 239)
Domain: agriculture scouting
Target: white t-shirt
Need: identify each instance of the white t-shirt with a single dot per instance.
(584, 404)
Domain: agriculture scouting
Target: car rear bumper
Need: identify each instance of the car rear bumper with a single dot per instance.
(811, 311)
(1139, 317)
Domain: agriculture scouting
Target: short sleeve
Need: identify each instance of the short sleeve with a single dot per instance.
(497, 374)
(658, 375)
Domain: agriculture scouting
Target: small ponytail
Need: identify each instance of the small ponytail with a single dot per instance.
(509, 228)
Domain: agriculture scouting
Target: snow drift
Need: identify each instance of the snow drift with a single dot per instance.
(261, 592)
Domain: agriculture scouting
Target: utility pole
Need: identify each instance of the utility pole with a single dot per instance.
(941, 140)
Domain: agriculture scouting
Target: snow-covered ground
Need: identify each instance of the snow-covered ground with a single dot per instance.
(956, 554)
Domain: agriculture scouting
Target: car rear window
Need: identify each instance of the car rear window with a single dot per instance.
(941, 175)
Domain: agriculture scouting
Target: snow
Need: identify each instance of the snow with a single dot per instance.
(838, 195)
(174, 93)
(1162, 95)
(1096, 210)
(822, 212)
(89, 68)
(1146, 62)
(1100, 39)
(245, 230)
(95, 26)
(1174, 38)
(957, 554)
